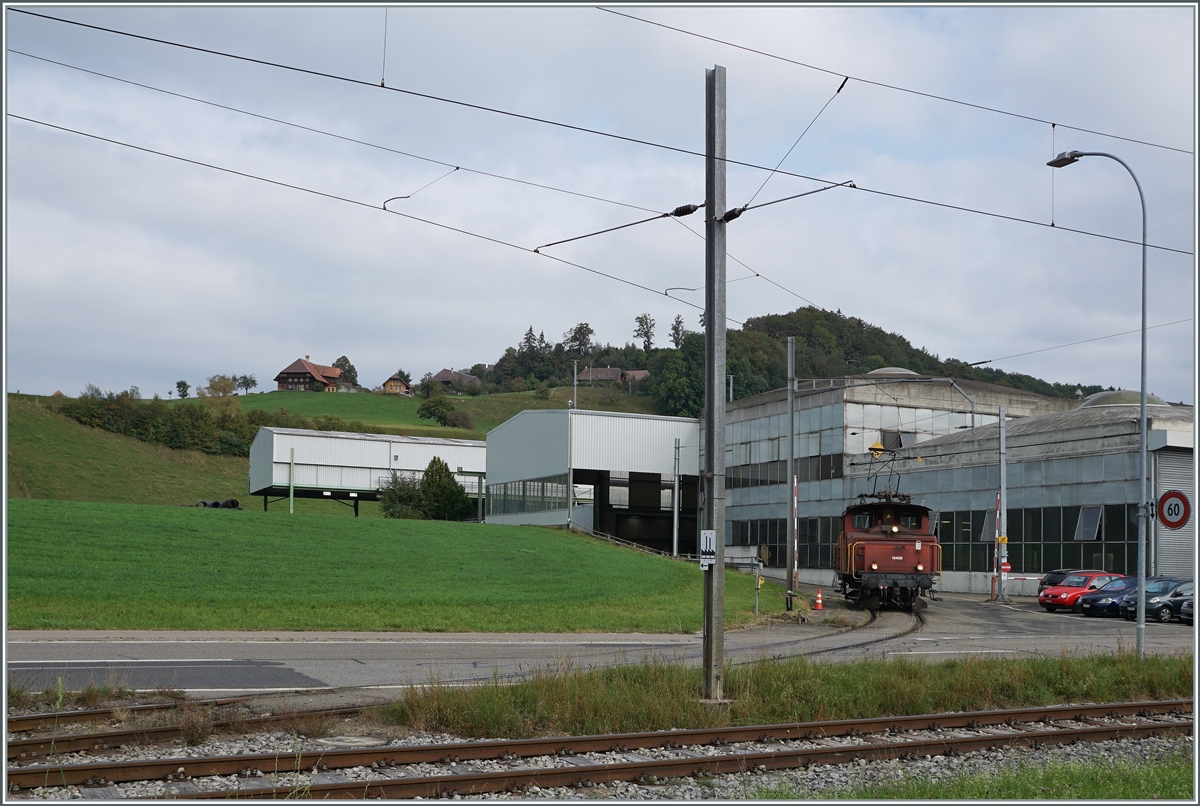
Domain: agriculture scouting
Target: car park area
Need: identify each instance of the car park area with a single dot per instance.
(1067, 593)
(1164, 600)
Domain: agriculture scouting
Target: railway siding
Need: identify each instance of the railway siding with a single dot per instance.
(434, 766)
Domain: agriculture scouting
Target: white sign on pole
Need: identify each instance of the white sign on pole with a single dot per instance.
(708, 548)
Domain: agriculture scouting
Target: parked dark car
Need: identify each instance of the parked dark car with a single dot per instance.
(1164, 600)
(1068, 592)
(1185, 612)
(1107, 601)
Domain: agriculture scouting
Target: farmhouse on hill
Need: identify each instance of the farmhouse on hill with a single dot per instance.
(396, 385)
(450, 376)
(611, 375)
(303, 375)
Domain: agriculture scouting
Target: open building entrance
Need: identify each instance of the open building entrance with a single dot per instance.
(637, 507)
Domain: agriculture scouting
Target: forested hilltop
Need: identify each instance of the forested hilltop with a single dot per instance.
(828, 344)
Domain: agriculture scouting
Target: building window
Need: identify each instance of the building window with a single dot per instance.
(531, 495)
(1089, 522)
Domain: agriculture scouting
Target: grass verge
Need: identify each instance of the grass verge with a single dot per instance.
(664, 696)
(78, 565)
(1105, 781)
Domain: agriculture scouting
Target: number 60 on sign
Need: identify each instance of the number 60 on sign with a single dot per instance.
(1174, 509)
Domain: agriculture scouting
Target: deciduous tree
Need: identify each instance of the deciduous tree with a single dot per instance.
(349, 373)
(677, 331)
(221, 396)
(182, 388)
(400, 497)
(644, 331)
(578, 340)
(437, 407)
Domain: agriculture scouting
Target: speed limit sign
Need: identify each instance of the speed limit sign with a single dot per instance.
(1174, 509)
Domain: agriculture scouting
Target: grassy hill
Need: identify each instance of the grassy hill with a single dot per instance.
(53, 457)
(71, 565)
(399, 414)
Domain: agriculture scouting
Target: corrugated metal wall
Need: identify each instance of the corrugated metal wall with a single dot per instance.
(530, 445)
(334, 460)
(635, 443)
(1175, 549)
(261, 453)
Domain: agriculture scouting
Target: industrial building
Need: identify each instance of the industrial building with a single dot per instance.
(1064, 457)
(1072, 491)
(542, 463)
(348, 467)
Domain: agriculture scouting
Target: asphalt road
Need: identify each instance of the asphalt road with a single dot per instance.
(224, 664)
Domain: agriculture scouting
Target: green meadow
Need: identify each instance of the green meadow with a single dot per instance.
(83, 565)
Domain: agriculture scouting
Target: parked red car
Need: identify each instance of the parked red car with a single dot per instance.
(1069, 591)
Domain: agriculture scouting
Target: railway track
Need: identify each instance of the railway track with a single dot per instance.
(27, 722)
(41, 746)
(470, 768)
(102, 740)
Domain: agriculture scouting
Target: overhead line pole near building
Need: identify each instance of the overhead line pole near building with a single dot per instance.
(1002, 515)
(793, 573)
(675, 505)
(714, 381)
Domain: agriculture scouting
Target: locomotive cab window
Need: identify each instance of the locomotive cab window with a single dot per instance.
(910, 522)
(864, 520)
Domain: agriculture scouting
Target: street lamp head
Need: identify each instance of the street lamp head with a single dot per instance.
(1065, 158)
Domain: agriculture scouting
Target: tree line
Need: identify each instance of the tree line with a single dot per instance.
(213, 424)
(828, 345)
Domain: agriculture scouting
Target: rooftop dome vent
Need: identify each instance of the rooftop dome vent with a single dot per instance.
(892, 371)
(1120, 397)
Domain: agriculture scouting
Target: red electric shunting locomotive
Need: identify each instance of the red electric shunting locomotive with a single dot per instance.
(887, 551)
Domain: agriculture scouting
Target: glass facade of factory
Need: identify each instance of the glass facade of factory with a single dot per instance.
(1072, 487)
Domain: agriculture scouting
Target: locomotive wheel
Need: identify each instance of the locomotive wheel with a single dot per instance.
(870, 601)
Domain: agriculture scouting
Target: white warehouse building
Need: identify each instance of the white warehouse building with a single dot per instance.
(539, 458)
(350, 467)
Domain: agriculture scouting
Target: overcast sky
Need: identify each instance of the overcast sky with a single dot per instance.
(128, 268)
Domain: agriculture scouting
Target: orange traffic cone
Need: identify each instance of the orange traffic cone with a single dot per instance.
(818, 605)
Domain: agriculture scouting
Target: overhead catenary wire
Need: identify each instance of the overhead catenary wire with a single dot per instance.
(422, 187)
(1073, 343)
(487, 238)
(798, 139)
(736, 212)
(358, 203)
(582, 129)
(383, 71)
(895, 87)
(753, 273)
(334, 135)
(682, 210)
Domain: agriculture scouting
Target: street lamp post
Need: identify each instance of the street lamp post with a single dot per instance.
(1062, 160)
